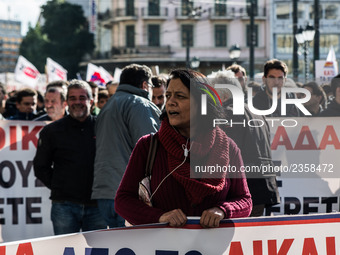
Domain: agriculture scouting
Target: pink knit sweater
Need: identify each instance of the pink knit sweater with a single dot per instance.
(234, 199)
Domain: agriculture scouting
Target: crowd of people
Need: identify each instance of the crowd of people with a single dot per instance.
(92, 153)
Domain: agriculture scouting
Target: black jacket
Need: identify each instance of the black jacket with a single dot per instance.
(254, 143)
(333, 109)
(23, 116)
(261, 101)
(64, 160)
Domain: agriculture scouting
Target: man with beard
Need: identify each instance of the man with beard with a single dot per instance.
(64, 163)
(55, 105)
(274, 76)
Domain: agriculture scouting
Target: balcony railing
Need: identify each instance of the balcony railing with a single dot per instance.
(141, 50)
(235, 12)
(160, 12)
(195, 13)
(123, 12)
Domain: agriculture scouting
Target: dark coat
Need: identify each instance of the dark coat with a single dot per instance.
(254, 143)
(333, 109)
(64, 159)
(262, 101)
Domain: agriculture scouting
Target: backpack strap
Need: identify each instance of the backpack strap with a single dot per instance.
(151, 155)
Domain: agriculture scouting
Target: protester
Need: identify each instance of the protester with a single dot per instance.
(175, 194)
(241, 75)
(328, 91)
(3, 98)
(126, 117)
(318, 101)
(64, 163)
(274, 76)
(254, 144)
(333, 108)
(10, 105)
(26, 103)
(55, 105)
(103, 97)
(158, 91)
(59, 83)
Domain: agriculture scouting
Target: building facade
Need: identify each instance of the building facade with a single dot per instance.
(170, 33)
(10, 40)
(282, 31)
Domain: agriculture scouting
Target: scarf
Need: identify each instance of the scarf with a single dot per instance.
(212, 149)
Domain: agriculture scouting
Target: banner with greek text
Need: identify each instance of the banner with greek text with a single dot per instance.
(306, 151)
(24, 201)
(312, 142)
(312, 234)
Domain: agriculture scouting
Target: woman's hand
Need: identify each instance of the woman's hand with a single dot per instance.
(211, 218)
(175, 218)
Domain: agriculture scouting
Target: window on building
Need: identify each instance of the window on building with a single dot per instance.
(326, 41)
(331, 11)
(220, 36)
(154, 35)
(187, 7)
(220, 7)
(283, 11)
(130, 36)
(130, 7)
(187, 35)
(284, 43)
(302, 7)
(255, 37)
(153, 7)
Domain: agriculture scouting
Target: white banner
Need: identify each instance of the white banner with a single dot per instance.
(11, 84)
(25, 204)
(54, 71)
(26, 72)
(307, 150)
(325, 70)
(313, 234)
(117, 73)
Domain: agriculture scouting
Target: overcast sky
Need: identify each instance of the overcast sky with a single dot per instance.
(21, 10)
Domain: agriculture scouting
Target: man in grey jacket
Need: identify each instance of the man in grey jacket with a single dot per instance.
(128, 115)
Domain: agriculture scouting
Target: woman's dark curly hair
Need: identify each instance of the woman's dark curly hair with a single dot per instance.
(198, 84)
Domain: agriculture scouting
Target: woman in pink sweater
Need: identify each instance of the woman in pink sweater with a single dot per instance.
(188, 146)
